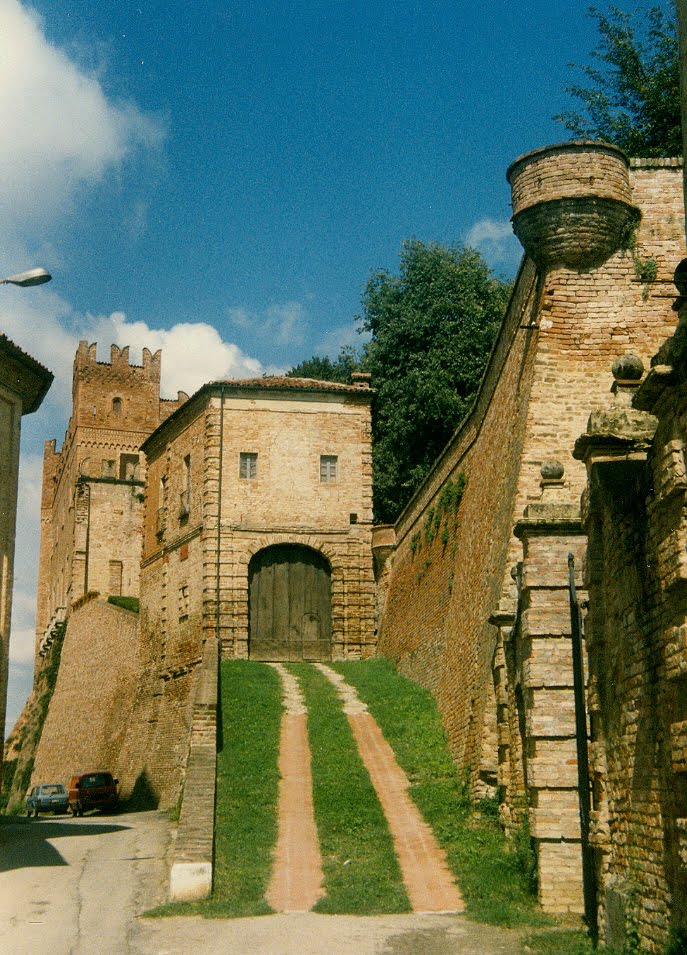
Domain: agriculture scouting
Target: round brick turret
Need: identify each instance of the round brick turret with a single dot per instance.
(572, 203)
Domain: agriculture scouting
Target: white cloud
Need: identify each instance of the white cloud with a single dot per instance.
(496, 241)
(193, 353)
(343, 336)
(58, 128)
(282, 324)
(26, 558)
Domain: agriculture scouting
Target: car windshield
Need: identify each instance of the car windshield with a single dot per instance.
(96, 779)
(53, 790)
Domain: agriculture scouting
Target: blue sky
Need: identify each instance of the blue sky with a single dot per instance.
(219, 179)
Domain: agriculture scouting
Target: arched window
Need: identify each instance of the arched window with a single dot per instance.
(117, 406)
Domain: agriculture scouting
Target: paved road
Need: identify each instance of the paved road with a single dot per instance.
(76, 887)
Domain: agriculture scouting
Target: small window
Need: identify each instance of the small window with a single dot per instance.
(183, 603)
(329, 468)
(185, 496)
(107, 469)
(116, 578)
(116, 406)
(128, 467)
(248, 466)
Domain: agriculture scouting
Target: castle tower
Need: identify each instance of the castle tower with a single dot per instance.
(92, 497)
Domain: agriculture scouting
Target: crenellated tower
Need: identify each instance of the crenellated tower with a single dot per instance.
(92, 497)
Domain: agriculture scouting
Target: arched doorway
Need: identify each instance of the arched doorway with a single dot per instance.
(290, 604)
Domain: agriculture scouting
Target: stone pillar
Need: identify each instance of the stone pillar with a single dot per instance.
(550, 531)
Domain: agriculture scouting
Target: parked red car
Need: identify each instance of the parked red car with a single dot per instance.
(92, 791)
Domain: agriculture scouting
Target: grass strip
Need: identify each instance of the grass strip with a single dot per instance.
(247, 793)
(361, 871)
(562, 942)
(491, 871)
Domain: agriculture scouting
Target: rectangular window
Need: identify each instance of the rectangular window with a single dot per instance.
(329, 468)
(248, 466)
(186, 493)
(183, 603)
(128, 467)
(116, 578)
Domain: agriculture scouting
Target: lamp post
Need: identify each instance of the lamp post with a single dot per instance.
(32, 277)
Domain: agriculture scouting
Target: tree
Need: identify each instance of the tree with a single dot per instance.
(431, 328)
(634, 99)
(324, 369)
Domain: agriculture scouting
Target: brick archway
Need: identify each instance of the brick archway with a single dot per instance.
(290, 612)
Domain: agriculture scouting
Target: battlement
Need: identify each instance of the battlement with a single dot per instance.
(86, 359)
(572, 203)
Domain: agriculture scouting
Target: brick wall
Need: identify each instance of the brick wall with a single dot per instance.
(636, 625)
(550, 369)
(92, 501)
(186, 566)
(96, 685)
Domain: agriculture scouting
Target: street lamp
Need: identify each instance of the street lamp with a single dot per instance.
(32, 277)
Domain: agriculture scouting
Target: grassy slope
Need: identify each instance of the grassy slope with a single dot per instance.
(361, 871)
(491, 875)
(247, 790)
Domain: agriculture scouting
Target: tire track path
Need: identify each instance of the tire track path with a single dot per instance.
(427, 878)
(296, 882)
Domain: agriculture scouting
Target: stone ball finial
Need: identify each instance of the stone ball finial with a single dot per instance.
(552, 471)
(628, 367)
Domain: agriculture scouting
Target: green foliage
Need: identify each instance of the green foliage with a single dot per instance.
(432, 327)
(360, 867)
(488, 869)
(646, 270)
(557, 942)
(677, 943)
(323, 368)
(128, 603)
(634, 97)
(525, 855)
(247, 786)
(443, 513)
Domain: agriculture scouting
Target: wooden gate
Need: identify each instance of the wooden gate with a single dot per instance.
(289, 604)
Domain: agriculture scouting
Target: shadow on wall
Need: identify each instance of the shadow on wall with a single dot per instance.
(143, 796)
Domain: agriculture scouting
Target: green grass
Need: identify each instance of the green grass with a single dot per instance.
(492, 875)
(361, 872)
(247, 791)
(128, 603)
(559, 942)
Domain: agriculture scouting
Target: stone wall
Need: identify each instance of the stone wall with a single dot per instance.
(637, 583)
(23, 384)
(88, 717)
(450, 595)
(92, 500)
(205, 521)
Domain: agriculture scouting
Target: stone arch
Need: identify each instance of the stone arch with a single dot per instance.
(290, 604)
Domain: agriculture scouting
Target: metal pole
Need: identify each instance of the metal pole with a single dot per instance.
(588, 872)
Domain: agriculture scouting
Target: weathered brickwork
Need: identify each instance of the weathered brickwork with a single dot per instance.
(93, 699)
(636, 576)
(23, 385)
(549, 370)
(92, 495)
(199, 543)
